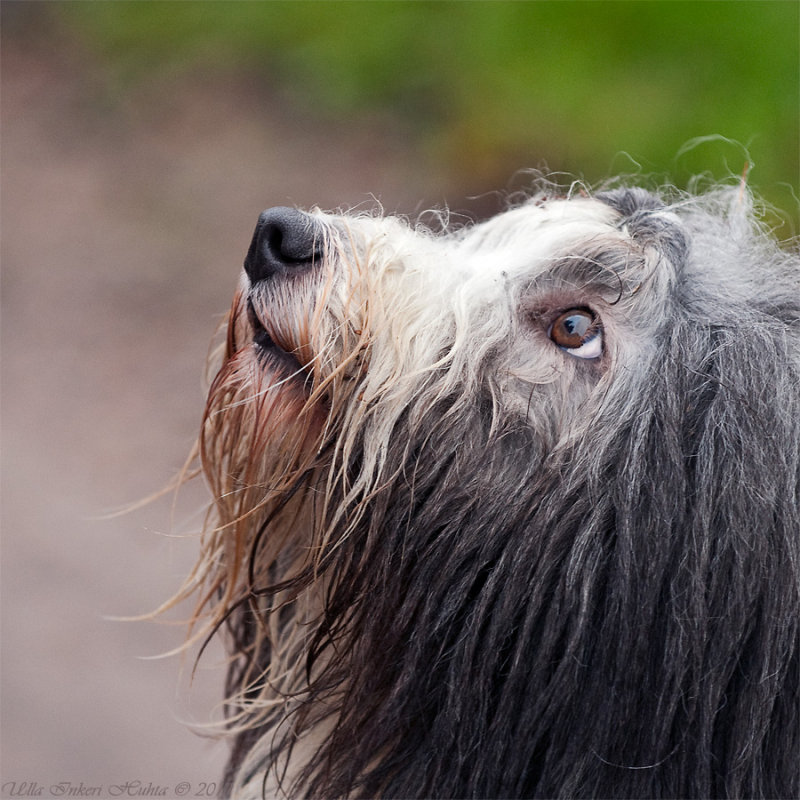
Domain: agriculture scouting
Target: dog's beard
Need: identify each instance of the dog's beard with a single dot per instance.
(259, 444)
(284, 390)
(261, 422)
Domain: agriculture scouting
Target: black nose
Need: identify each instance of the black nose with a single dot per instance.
(285, 241)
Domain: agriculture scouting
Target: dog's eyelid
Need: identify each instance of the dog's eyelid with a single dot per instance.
(592, 348)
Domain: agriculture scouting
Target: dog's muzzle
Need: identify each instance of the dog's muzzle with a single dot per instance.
(285, 242)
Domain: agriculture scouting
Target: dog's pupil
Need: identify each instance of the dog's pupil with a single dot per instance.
(570, 329)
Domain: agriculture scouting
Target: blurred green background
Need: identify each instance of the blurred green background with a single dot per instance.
(482, 89)
(140, 141)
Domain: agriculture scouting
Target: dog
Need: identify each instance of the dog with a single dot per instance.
(510, 509)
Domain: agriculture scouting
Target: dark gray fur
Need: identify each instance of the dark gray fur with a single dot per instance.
(614, 618)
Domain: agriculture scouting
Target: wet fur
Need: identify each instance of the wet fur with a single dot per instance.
(452, 560)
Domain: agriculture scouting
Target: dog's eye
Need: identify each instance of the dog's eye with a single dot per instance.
(578, 331)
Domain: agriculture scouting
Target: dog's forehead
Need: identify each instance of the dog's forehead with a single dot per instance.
(534, 234)
(544, 225)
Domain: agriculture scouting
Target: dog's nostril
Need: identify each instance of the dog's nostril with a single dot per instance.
(285, 240)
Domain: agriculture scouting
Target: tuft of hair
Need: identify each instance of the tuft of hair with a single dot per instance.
(443, 573)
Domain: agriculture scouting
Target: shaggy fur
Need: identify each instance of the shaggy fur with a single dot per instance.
(464, 548)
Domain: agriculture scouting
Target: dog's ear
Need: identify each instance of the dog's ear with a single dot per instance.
(629, 201)
(647, 220)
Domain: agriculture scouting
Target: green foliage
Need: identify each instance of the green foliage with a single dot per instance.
(595, 87)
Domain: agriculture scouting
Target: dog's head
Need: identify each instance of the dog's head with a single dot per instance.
(510, 492)
(345, 321)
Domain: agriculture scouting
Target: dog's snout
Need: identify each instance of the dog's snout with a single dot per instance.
(285, 241)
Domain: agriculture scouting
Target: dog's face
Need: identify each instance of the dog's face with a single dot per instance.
(338, 316)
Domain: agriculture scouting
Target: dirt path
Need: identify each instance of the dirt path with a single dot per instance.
(124, 223)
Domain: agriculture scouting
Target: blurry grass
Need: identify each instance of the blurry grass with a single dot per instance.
(593, 88)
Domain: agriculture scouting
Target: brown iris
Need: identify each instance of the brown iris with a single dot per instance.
(575, 329)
